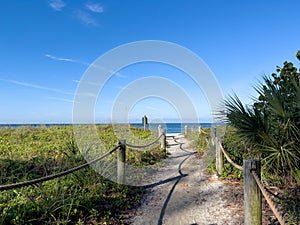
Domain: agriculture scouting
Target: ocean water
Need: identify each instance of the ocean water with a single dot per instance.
(172, 128)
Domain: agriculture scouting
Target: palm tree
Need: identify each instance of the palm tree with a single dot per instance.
(271, 124)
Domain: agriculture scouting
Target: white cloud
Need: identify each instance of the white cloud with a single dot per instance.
(88, 94)
(87, 82)
(57, 5)
(59, 58)
(84, 17)
(95, 7)
(61, 99)
(120, 75)
(67, 60)
(30, 85)
(108, 70)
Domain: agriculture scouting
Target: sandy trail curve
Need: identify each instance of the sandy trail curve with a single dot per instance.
(187, 197)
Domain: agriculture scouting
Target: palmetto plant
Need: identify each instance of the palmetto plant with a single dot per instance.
(271, 124)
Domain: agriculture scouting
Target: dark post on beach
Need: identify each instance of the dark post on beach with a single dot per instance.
(145, 122)
(121, 161)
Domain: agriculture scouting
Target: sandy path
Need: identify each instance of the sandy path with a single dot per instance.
(187, 197)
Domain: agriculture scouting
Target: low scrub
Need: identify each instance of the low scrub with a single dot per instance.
(83, 197)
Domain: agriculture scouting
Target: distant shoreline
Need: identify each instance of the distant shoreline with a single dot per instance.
(170, 127)
(70, 124)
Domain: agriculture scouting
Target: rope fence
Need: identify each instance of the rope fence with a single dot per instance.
(120, 163)
(53, 176)
(147, 145)
(253, 187)
(268, 198)
(229, 159)
(252, 199)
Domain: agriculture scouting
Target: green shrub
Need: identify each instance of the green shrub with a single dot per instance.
(83, 197)
(199, 141)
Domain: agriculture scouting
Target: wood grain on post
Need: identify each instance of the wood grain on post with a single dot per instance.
(186, 130)
(213, 136)
(163, 139)
(145, 122)
(219, 157)
(199, 130)
(121, 161)
(159, 130)
(252, 194)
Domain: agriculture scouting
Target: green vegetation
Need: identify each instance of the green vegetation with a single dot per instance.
(237, 149)
(268, 130)
(200, 141)
(145, 157)
(83, 197)
(270, 126)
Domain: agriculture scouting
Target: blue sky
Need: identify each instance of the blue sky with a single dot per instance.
(46, 46)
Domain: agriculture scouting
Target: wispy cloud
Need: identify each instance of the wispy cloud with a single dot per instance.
(30, 85)
(61, 99)
(66, 59)
(87, 82)
(57, 5)
(59, 58)
(85, 64)
(88, 94)
(120, 75)
(84, 17)
(95, 7)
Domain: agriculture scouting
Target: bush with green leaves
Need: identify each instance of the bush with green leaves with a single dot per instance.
(199, 141)
(270, 126)
(83, 197)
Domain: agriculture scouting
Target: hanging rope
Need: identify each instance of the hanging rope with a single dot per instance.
(268, 199)
(53, 176)
(144, 146)
(229, 159)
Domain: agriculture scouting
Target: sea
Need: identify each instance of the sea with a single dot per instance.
(171, 128)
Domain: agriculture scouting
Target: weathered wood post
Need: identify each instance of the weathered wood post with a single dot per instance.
(219, 156)
(163, 139)
(212, 136)
(145, 122)
(159, 130)
(199, 129)
(193, 129)
(121, 161)
(252, 194)
(162, 135)
(185, 129)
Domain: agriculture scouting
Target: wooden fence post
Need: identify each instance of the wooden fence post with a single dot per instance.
(163, 139)
(159, 130)
(121, 161)
(252, 194)
(219, 157)
(185, 129)
(145, 122)
(212, 136)
(199, 129)
(162, 131)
